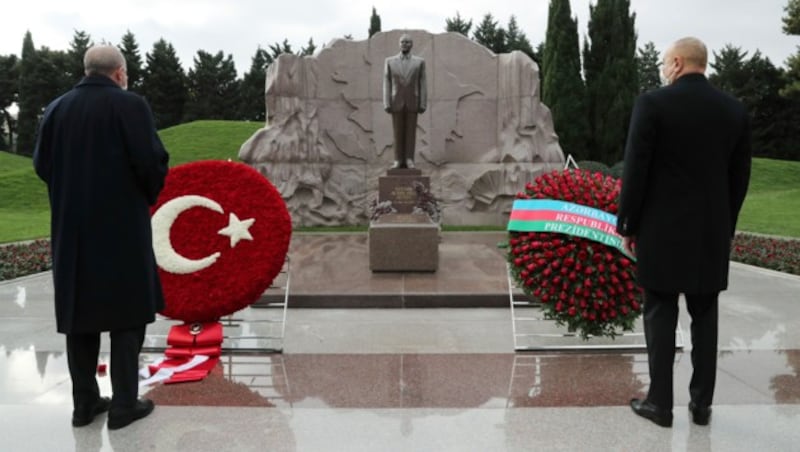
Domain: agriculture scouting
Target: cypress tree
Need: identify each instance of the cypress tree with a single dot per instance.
(374, 23)
(29, 103)
(562, 86)
(611, 81)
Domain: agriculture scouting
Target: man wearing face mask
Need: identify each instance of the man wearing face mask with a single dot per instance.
(404, 96)
(99, 154)
(687, 168)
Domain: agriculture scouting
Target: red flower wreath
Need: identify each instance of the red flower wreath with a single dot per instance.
(583, 284)
(220, 235)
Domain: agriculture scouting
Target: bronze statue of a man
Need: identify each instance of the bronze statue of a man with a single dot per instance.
(405, 95)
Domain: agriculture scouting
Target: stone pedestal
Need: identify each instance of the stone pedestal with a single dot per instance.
(403, 243)
(398, 187)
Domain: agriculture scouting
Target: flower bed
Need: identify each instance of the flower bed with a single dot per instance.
(21, 259)
(775, 253)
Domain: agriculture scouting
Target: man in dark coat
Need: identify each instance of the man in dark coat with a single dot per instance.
(687, 168)
(104, 165)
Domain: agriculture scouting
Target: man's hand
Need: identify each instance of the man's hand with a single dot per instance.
(628, 244)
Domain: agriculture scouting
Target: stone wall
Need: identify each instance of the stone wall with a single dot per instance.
(327, 139)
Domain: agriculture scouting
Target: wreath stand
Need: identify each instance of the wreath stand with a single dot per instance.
(532, 332)
(261, 330)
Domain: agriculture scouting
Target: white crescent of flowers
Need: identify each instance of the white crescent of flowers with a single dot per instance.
(166, 256)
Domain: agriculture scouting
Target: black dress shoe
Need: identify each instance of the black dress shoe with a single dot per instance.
(649, 411)
(118, 418)
(84, 414)
(700, 414)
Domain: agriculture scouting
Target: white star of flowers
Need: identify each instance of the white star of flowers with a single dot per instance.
(237, 229)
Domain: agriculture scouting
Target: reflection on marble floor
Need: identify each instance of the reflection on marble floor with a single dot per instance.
(418, 380)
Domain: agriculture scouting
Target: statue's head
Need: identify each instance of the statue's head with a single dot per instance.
(406, 43)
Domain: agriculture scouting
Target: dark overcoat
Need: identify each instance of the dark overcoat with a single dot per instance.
(98, 151)
(687, 168)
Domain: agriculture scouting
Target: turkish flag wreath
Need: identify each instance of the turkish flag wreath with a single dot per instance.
(221, 232)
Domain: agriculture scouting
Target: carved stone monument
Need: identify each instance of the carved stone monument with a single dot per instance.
(328, 139)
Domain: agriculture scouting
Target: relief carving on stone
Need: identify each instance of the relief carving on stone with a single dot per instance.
(328, 139)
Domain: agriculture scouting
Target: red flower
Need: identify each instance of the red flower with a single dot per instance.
(574, 272)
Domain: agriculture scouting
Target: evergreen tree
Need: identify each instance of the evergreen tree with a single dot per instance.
(647, 67)
(562, 86)
(133, 59)
(253, 85)
(278, 48)
(609, 62)
(758, 83)
(516, 39)
(728, 66)
(52, 71)
(29, 100)
(164, 84)
(791, 26)
(374, 23)
(490, 35)
(791, 21)
(9, 87)
(458, 25)
(213, 88)
(538, 56)
(308, 49)
(792, 88)
(81, 41)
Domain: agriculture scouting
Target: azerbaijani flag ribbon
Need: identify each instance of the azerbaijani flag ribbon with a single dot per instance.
(548, 215)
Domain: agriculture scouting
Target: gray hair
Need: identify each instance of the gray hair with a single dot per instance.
(102, 59)
(693, 51)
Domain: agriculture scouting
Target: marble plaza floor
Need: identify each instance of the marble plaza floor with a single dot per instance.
(436, 372)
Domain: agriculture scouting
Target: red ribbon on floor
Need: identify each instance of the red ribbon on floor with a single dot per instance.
(187, 341)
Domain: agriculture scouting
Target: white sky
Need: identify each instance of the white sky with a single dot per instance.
(237, 27)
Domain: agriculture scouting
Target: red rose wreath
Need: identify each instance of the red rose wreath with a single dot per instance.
(220, 235)
(583, 284)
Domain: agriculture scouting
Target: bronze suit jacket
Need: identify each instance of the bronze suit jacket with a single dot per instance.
(404, 85)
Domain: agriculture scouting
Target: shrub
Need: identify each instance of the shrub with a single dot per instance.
(616, 170)
(594, 167)
(20, 259)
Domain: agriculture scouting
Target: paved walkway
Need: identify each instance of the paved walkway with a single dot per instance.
(415, 379)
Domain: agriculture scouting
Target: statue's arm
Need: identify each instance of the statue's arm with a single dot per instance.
(387, 86)
(423, 88)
